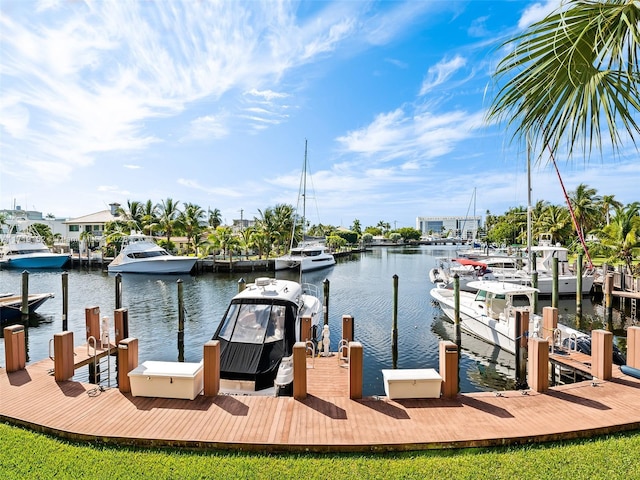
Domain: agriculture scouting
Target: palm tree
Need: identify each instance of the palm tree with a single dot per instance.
(607, 203)
(585, 207)
(149, 219)
(214, 218)
(189, 221)
(132, 214)
(570, 72)
(168, 214)
(556, 221)
(622, 235)
(224, 239)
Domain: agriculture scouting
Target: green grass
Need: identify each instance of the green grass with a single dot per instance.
(25, 455)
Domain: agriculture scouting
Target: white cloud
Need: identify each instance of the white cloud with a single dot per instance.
(441, 72)
(536, 12)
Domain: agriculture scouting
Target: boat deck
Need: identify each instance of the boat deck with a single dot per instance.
(326, 421)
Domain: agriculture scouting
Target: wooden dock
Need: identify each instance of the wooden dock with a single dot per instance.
(326, 421)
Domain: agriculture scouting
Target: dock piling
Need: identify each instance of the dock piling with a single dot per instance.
(65, 301)
(394, 328)
(24, 309)
(14, 348)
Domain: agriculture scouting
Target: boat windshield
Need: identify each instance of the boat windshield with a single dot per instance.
(154, 253)
(253, 323)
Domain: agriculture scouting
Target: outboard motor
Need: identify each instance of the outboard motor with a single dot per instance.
(284, 378)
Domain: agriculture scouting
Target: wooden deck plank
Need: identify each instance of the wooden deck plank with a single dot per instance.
(327, 420)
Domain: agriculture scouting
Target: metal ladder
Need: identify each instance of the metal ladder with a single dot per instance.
(98, 364)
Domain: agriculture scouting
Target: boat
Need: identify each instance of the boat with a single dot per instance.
(11, 306)
(306, 256)
(466, 269)
(310, 254)
(257, 334)
(489, 313)
(27, 250)
(141, 254)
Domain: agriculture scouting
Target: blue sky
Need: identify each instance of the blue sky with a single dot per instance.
(211, 102)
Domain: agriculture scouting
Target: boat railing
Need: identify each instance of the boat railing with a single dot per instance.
(311, 289)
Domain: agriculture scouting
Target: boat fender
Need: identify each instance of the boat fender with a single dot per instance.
(632, 372)
(326, 340)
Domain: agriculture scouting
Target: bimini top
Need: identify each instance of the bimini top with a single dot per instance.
(473, 263)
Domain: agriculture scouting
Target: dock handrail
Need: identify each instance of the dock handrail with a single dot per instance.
(342, 346)
(96, 361)
(310, 347)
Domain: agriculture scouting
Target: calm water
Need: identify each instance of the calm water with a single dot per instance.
(361, 287)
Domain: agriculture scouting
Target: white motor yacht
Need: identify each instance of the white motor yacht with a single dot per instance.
(140, 254)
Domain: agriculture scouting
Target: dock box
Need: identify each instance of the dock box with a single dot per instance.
(412, 383)
(167, 380)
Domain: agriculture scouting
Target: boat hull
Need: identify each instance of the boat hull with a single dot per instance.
(306, 264)
(156, 265)
(10, 307)
(36, 261)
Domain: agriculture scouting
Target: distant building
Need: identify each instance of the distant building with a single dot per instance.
(465, 228)
(25, 218)
(94, 223)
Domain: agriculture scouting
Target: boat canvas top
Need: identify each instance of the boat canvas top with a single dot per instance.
(269, 289)
(502, 288)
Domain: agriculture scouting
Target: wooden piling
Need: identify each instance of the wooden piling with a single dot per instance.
(118, 293)
(633, 346)
(305, 329)
(326, 286)
(127, 361)
(549, 321)
(601, 354)
(180, 321)
(394, 328)
(121, 324)
(555, 296)
(92, 322)
(538, 364)
(14, 348)
(211, 361)
(579, 289)
(608, 297)
(63, 365)
(347, 328)
(449, 368)
(24, 308)
(355, 370)
(522, 330)
(65, 301)
(299, 371)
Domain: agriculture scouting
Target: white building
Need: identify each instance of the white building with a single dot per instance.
(94, 223)
(465, 228)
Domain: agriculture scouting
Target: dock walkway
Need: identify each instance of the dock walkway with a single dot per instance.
(326, 421)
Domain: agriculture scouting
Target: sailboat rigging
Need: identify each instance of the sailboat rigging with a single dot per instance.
(307, 255)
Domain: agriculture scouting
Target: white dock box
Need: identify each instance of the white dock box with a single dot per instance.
(412, 383)
(167, 380)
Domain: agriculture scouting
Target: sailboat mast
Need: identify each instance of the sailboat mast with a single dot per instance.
(304, 191)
